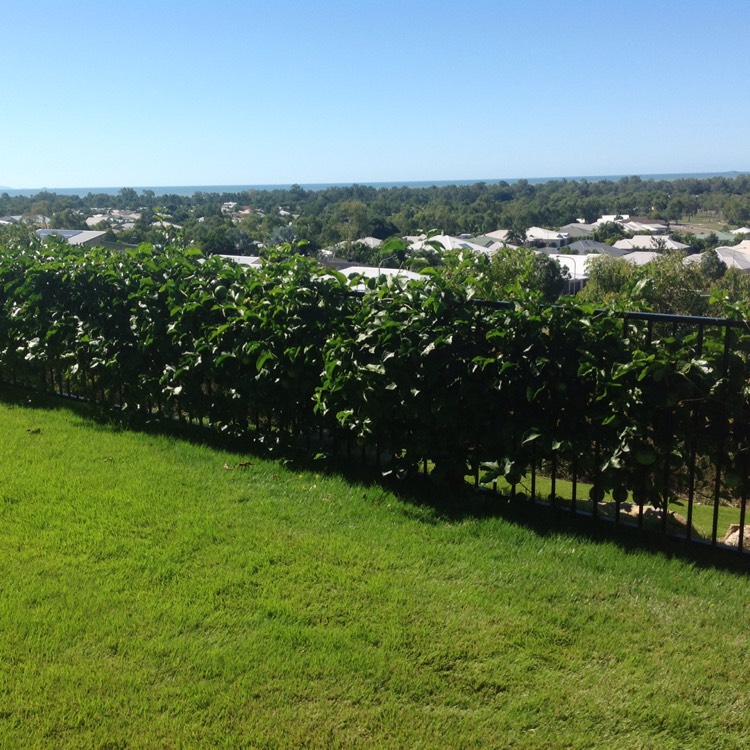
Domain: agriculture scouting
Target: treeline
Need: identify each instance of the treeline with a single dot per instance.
(325, 217)
(418, 372)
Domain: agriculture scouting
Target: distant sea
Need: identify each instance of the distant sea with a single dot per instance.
(191, 189)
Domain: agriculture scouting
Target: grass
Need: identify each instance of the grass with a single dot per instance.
(708, 222)
(703, 514)
(153, 598)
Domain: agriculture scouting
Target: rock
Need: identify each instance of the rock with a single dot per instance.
(732, 537)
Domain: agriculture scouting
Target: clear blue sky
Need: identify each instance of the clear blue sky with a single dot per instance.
(181, 92)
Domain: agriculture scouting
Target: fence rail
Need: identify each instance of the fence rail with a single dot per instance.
(687, 485)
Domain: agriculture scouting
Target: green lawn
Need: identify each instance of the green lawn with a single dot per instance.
(152, 598)
(708, 222)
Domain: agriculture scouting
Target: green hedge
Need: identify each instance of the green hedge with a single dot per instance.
(416, 371)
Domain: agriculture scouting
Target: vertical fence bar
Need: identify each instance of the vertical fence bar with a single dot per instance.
(597, 481)
(665, 490)
(574, 488)
(667, 467)
(743, 508)
(722, 441)
(691, 461)
(553, 482)
(691, 491)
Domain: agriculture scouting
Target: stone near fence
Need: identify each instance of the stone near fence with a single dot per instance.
(629, 513)
(732, 537)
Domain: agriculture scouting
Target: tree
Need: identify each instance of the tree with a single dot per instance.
(609, 232)
(667, 285)
(607, 279)
(675, 208)
(508, 274)
(352, 220)
(712, 266)
(68, 219)
(127, 198)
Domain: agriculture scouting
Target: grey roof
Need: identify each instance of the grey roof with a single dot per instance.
(734, 257)
(591, 246)
(67, 233)
(73, 236)
(641, 257)
(576, 229)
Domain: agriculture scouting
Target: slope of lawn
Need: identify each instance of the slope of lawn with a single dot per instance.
(155, 592)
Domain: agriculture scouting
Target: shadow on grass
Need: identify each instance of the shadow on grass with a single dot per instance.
(433, 502)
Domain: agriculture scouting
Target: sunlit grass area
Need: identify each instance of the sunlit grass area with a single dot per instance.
(158, 592)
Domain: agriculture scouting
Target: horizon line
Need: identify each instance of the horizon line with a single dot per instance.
(375, 183)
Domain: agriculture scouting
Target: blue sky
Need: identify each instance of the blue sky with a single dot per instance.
(168, 92)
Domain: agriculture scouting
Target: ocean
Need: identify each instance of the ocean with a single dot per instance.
(192, 189)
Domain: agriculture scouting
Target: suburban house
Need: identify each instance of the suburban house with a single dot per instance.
(584, 247)
(536, 236)
(75, 236)
(641, 257)
(448, 243)
(500, 235)
(733, 257)
(640, 224)
(369, 272)
(116, 218)
(489, 244)
(577, 267)
(649, 242)
(611, 219)
(578, 230)
(244, 260)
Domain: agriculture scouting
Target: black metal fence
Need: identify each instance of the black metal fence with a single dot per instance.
(700, 493)
(699, 498)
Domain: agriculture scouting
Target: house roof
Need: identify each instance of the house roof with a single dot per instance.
(639, 226)
(641, 257)
(648, 242)
(244, 260)
(584, 247)
(498, 234)
(721, 236)
(611, 219)
(371, 242)
(735, 257)
(577, 229)
(73, 236)
(450, 243)
(490, 244)
(576, 265)
(373, 273)
(539, 233)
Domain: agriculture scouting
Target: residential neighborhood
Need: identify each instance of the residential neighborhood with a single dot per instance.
(408, 229)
